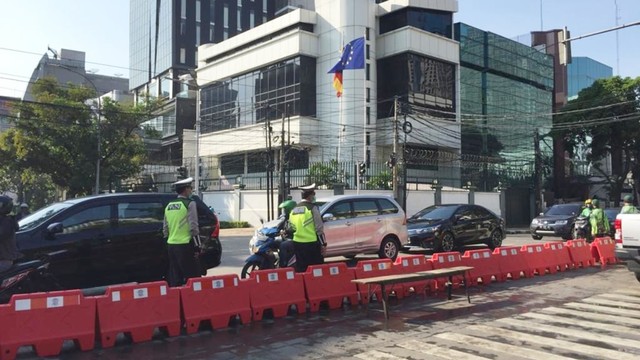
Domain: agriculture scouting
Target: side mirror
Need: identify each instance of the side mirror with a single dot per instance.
(55, 228)
(327, 217)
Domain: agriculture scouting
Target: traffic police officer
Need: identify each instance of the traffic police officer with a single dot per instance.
(628, 207)
(180, 228)
(308, 237)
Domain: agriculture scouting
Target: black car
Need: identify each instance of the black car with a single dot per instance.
(611, 216)
(110, 239)
(446, 227)
(557, 221)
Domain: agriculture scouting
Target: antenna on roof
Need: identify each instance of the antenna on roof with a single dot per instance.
(55, 53)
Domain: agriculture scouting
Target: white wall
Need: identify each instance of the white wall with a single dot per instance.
(251, 205)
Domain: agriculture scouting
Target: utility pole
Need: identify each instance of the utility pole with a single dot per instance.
(394, 169)
(537, 173)
(268, 165)
(282, 193)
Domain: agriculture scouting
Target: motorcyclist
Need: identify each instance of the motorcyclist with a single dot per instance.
(587, 208)
(8, 227)
(286, 247)
(598, 220)
(627, 207)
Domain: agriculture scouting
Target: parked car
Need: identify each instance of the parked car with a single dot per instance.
(112, 238)
(444, 228)
(363, 224)
(557, 221)
(612, 213)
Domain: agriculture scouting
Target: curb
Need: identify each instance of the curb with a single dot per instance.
(517, 231)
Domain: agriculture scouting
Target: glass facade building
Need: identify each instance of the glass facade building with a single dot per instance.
(506, 95)
(583, 71)
(433, 21)
(266, 93)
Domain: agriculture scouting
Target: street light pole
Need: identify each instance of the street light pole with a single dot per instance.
(196, 178)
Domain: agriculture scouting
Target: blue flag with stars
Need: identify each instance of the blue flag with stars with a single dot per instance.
(352, 56)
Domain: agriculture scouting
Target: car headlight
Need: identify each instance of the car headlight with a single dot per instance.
(535, 222)
(562, 222)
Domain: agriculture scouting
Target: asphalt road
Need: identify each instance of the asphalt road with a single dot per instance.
(235, 249)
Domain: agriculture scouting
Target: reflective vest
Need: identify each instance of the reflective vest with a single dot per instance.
(177, 215)
(301, 218)
(629, 209)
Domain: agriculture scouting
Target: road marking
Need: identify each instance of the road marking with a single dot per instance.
(603, 309)
(496, 346)
(609, 302)
(629, 292)
(582, 323)
(439, 350)
(592, 316)
(614, 296)
(375, 354)
(561, 345)
(580, 334)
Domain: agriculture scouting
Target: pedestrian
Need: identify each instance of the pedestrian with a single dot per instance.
(8, 227)
(598, 220)
(308, 237)
(23, 212)
(180, 228)
(587, 209)
(627, 207)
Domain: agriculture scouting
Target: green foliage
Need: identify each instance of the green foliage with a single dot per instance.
(233, 224)
(325, 174)
(382, 181)
(57, 135)
(609, 127)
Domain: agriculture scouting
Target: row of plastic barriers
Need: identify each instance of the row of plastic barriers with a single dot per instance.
(46, 320)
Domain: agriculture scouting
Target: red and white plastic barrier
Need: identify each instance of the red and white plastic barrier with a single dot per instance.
(537, 259)
(46, 320)
(511, 263)
(330, 283)
(580, 253)
(373, 268)
(411, 264)
(604, 250)
(215, 299)
(447, 260)
(558, 256)
(485, 266)
(137, 310)
(277, 290)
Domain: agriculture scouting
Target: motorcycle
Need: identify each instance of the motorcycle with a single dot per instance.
(28, 276)
(269, 248)
(582, 228)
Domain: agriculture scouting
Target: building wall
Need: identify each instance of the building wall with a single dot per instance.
(583, 71)
(345, 128)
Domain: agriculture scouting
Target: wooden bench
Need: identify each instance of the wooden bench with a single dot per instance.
(383, 281)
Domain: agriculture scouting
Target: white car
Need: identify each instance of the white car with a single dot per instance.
(363, 224)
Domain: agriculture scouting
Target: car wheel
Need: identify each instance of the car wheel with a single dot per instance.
(389, 248)
(536, 237)
(638, 276)
(248, 268)
(447, 243)
(495, 240)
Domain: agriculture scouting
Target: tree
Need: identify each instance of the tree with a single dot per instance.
(605, 117)
(382, 181)
(57, 135)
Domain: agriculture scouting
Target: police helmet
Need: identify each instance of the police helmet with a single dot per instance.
(180, 185)
(287, 205)
(6, 205)
(628, 198)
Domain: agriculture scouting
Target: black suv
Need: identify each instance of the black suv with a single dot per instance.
(110, 239)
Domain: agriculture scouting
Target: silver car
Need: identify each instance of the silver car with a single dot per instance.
(363, 224)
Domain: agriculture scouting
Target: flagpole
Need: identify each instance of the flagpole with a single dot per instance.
(364, 102)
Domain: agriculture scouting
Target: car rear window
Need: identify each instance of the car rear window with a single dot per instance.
(387, 207)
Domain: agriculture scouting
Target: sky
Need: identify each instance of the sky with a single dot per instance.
(101, 30)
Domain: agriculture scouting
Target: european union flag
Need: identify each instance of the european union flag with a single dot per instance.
(352, 56)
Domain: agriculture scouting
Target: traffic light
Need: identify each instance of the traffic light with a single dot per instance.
(182, 172)
(392, 161)
(362, 168)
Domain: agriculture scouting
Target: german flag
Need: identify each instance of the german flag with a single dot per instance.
(337, 83)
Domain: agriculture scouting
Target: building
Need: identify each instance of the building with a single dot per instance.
(583, 71)
(506, 96)
(6, 112)
(268, 102)
(69, 66)
(163, 42)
